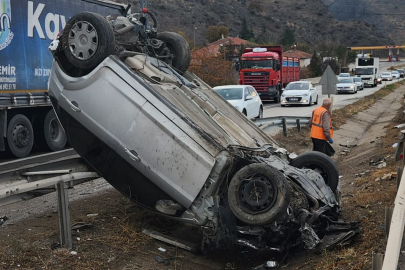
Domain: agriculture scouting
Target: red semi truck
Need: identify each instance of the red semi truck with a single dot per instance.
(261, 67)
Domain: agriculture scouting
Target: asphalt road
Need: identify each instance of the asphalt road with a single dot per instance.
(271, 109)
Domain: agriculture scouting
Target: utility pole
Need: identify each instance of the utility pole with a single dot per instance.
(195, 28)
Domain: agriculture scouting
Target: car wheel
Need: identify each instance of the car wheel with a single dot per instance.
(319, 162)
(244, 112)
(20, 136)
(258, 194)
(179, 48)
(87, 40)
(316, 101)
(310, 101)
(282, 105)
(260, 113)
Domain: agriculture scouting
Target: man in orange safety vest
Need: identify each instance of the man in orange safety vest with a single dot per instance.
(321, 128)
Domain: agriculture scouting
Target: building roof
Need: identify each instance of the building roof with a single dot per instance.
(297, 54)
(213, 49)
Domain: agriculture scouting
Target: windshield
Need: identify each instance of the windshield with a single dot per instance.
(357, 79)
(364, 71)
(257, 64)
(345, 80)
(386, 74)
(297, 86)
(395, 72)
(230, 93)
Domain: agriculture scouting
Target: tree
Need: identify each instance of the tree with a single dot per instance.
(288, 38)
(214, 70)
(315, 66)
(262, 38)
(215, 33)
(245, 32)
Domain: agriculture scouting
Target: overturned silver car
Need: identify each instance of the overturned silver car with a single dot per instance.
(174, 146)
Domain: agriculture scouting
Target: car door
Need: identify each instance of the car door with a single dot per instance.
(313, 92)
(256, 102)
(249, 104)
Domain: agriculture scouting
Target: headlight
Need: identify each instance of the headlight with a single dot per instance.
(351, 87)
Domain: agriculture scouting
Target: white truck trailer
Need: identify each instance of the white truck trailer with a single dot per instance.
(368, 69)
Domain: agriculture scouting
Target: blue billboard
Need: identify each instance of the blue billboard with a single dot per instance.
(26, 30)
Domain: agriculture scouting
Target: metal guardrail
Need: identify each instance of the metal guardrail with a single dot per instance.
(397, 223)
(282, 121)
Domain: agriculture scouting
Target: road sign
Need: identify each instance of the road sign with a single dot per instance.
(328, 82)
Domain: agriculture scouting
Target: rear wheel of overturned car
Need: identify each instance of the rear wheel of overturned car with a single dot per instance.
(87, 40)
(321, 163)
(179, 48)
(20, 136)
(258, 194)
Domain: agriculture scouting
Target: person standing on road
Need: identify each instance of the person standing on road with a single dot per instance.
(321, 128)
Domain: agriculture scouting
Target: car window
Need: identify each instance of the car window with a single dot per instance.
(386, 73)
(247, 92)
(357, 79)
(253, 92)
(345, 80)
(230, 93)
(297, 86)
(395, 72)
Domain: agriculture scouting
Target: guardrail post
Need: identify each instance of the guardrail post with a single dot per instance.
(377, 261)
(285, 131)
(388, 218)
(298, 125)
(64, 216)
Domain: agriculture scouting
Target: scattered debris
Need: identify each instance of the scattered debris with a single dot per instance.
(73, 253)
(165, 261)
(266, 265)
(172, 241)
(380, 163)
(348, 145)
(3, 219)
(395, 145)
(162, 249)
(399, 126)
(92, 215)
(81, 225)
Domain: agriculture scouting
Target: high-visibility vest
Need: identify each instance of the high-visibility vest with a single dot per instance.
(317, 121)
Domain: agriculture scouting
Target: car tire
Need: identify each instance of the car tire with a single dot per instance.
(274, 194)
(282, 105)
(20, 136)
(260, 113)
(320, 162)
(87, 40)
(244, 112)
(179, 47)
(316, 101)
(310, 102)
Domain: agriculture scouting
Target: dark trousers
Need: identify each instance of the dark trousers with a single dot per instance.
(323, 146)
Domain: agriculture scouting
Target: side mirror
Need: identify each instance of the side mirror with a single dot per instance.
(249, 97)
